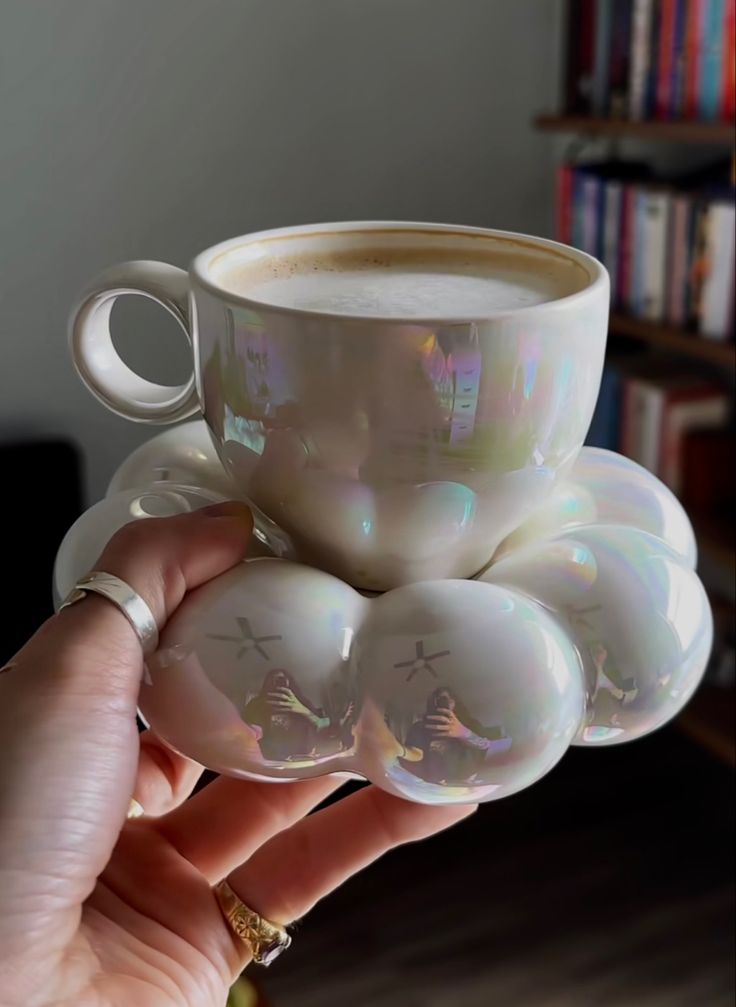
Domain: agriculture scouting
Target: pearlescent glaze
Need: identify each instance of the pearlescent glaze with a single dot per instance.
(635, 610)
(83, 543)
(90, 533)
(289, 673)
(386, 449)
(589, 627)
(606, 488)
(183, 454)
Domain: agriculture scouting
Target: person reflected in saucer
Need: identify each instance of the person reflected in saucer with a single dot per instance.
(289, 723)
(455, 746)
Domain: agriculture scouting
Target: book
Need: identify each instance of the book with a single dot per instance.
(604, 427)
(693, 22)
(718, 272)
(581, 42)
(564, 203)
(602, 56)
(644, 404)
(641, 29)
(653, 257)
(698, 262)
(653, 66)
(612, 210)
(626, 248)
(698, 407)
(592, 188)
(659, 408)
(620, 53)
(728, 77)
(663, 104)
(577, 228)
(709, 78)
(638, 253)
(635, 372)
(677, 266)
(677, 93)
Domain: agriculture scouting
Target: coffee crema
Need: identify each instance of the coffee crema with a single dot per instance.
(404, 283)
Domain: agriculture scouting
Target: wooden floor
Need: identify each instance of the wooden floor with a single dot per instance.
(609, 884)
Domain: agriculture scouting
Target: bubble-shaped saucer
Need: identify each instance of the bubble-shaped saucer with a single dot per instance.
(588, 627)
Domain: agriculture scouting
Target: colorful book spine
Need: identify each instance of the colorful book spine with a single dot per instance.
(654, 255)
(604, 427)
(693, 22)
(626, 248)
(591, 213)
(632, 427)
(728, 79)
(641, 28)
(695, 409)
(578, 205)
(612, 205)
(698, 262)
(620, 52)
(564, 203)
(718, 279)
(602, 57)
(665, 59)
(653, 71)
(581, 42)
(709, 79)
(679, 243)
(677, 92)
(637, 255)
(651, 408)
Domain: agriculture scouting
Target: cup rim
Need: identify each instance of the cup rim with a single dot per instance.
(596, 272)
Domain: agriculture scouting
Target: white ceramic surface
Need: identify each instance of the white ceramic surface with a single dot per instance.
(279, 671)
(183, 454)
(90, 533)
(590, 628)
(387, 450)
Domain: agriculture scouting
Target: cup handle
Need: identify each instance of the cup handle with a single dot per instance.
(97, 361)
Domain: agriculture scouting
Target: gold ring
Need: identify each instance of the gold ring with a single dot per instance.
(265, 940)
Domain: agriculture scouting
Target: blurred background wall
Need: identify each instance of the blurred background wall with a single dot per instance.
(132, 129)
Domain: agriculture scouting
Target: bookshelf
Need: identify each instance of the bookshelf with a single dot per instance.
(657, 74)
(719, 134)
(681, 341)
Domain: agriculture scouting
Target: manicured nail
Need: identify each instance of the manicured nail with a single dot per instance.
(135, 810)
(229, 508)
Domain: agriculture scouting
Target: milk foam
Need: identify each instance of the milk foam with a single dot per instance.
(409, 285)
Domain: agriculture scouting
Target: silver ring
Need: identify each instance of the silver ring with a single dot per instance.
(125, 599)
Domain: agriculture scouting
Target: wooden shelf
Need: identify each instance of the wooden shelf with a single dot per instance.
(678, 340)
(709, 719)
(712, 133)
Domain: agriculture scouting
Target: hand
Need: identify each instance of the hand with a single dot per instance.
(447, 725)
(99, 910)
(282, 698)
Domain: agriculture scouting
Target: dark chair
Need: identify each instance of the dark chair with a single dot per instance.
(41, 498)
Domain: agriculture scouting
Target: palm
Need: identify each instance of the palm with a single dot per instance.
(99, 912)
(146, 933)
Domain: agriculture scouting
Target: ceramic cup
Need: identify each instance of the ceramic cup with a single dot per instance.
(388, 450)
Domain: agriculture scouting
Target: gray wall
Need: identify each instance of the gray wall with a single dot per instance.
(153, 128)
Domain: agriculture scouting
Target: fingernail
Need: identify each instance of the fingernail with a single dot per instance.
(229, 508)
(135, 810)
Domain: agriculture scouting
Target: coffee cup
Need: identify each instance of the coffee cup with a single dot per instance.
(396, 397)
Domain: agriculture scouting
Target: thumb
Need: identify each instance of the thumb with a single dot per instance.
(68, 739)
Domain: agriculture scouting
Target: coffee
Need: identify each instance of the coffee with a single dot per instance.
(404, 282)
